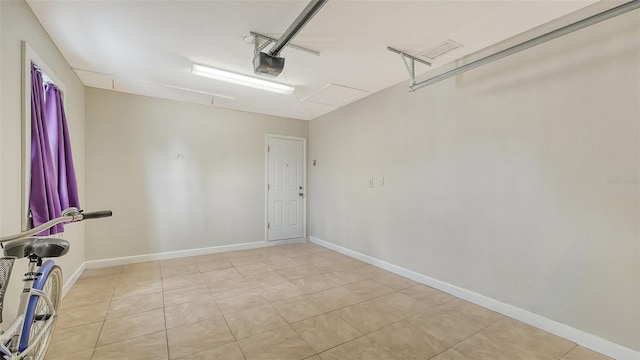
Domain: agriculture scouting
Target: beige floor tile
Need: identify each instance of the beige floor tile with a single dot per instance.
(100, 282)
(81, 355)
(315, 248)
(135, 304)
(194, 338)
(512, 340)
(368, 289)
(225, 352)
(254, 321)
(299, 272)
(324, 263)
(81, 315)
(400, 305)
(270, 257)
(135, 288)
(79, 295)
(191, 312)
(359, 349)
(287, 264)
(324, 268)
(294, 253)
(298, 308)
(213, 265)
(580, 353)
(227, 287)
(73, 340)
(332, 300)
(266, 279)
(240, 253)
(347, 276)
(179, 270)
(148, 347)
(318, 283)
(244, 260)
(325, 331)
(363, 268)
(427, 295)
(131, 326)
(182, 281)
(452, 354)
(178, 261)
(185, 295)
(282, 344)
(406, 342)
(280, 291)
(367, 317)
(207, 258)
(369, 270)
(89, 273)
(149, 266)
(140, 276)
(218, 275)
(240, 301)
(396, 282)
(471, 313)
(336, 298)
(330, 256)
(251, 269)
(449, 327)
(343, 262)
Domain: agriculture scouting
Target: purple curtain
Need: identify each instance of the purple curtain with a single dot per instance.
(44, 202)
(53, 180)
(61, 147)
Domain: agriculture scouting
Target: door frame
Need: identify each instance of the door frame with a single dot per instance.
(266, 183)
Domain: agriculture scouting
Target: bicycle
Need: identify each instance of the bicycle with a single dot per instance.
(28, 336)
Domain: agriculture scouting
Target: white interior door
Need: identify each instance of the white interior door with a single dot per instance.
(285, 189)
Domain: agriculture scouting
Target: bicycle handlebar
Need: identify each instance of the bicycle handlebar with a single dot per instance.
(68, 215)
(96, 214)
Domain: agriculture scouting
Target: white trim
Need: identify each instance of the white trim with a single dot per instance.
(72, 279)
(578, 336)
(28, 56)
(266, 181)
(96, 264)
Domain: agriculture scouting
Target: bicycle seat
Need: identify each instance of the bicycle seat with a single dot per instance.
(41, 247)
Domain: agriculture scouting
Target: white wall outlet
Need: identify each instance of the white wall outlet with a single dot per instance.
(371, 182)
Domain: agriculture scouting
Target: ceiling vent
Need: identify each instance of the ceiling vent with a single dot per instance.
(440, 49)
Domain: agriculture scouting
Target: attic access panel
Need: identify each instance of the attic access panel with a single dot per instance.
(334, 95)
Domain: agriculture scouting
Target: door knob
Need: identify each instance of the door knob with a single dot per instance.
(301, 194)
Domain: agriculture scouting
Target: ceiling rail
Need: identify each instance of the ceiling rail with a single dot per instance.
(608, 14)
(305, 16)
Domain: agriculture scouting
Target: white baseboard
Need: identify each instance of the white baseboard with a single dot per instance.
(72, 279)
(578, 336)
(101, 263)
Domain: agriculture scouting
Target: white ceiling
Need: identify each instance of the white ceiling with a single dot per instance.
(148, 47)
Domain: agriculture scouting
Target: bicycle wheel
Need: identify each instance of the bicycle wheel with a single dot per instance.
(42, 312)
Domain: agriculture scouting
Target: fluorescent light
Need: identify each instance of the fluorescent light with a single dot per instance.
(238, 79)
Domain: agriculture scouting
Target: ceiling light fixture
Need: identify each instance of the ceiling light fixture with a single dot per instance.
(238, 79)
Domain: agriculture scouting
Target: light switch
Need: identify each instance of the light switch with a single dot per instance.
(381, 181)
(371, 182)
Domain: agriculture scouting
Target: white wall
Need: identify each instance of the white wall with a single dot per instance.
(18, 24)
(177, 176)
(517, 180)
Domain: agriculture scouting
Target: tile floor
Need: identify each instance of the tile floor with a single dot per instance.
(285, 302)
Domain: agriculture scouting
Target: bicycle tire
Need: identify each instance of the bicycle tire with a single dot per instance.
(38, 312)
